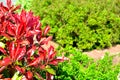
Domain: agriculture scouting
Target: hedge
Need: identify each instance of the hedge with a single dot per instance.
(84, 24)
(81, 67)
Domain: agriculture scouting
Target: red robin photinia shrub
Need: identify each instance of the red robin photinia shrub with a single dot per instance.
(22, 55)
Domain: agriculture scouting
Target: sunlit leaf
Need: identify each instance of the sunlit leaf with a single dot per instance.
(50, 70)
(16, 76)
(2, 45)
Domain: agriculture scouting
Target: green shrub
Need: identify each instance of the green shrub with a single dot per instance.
(81, 67)
(85, 24)
(24, 4)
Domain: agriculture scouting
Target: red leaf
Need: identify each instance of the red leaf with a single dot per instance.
(4, 24)
(11, 30)
(46, 30)
(54, 62)
(1, 75)
(30, 39)
(33, 32)
(16, 53)
(38, 25)
(31, 51)
(9, 3)
(3, 50)
(51, 52)
(6, 61)
(34, 62)
(20, 31)
(3, 9)
(21, 70)
(39, 36)
(42, 53)
(20, 52)
(23, 16)
(42, 56)
(5, 35)
(57, 60)
(7, 79)
(29, 75)
(62, 58)
(1, 16)
(2, 68)
(42, 66)
(12, 50)
(24, 78)
(52, 55)
(17, 18)
(46, 40)
(49, 76)
(17, 7)
(23, 42)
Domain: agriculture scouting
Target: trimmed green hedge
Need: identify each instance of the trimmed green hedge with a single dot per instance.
(84, 24)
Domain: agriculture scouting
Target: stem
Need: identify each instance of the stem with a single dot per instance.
(39, 76)
(2, 68)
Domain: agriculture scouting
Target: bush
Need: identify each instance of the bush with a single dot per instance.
(83, 24)
(81, 67)
(22, 54)
(86, 25)
(24, 4)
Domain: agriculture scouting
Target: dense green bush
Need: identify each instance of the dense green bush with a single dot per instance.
(24, 4)
(80, 67)
(85, 24)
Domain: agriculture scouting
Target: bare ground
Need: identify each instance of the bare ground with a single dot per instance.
(98, 54)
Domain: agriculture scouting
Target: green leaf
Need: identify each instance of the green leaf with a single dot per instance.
(2, 45)
(1, 57)
(50, 70)
(16, 76)
(18, 63)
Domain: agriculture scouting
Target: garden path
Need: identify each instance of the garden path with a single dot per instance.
(98, 54)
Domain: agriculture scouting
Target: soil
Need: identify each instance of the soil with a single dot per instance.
(98, 54)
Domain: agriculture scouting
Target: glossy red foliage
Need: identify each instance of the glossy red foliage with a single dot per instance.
(23, 51)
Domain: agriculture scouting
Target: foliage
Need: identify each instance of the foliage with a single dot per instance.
(81, 67)
(85, 24)
(23, 56)
(24, 4)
